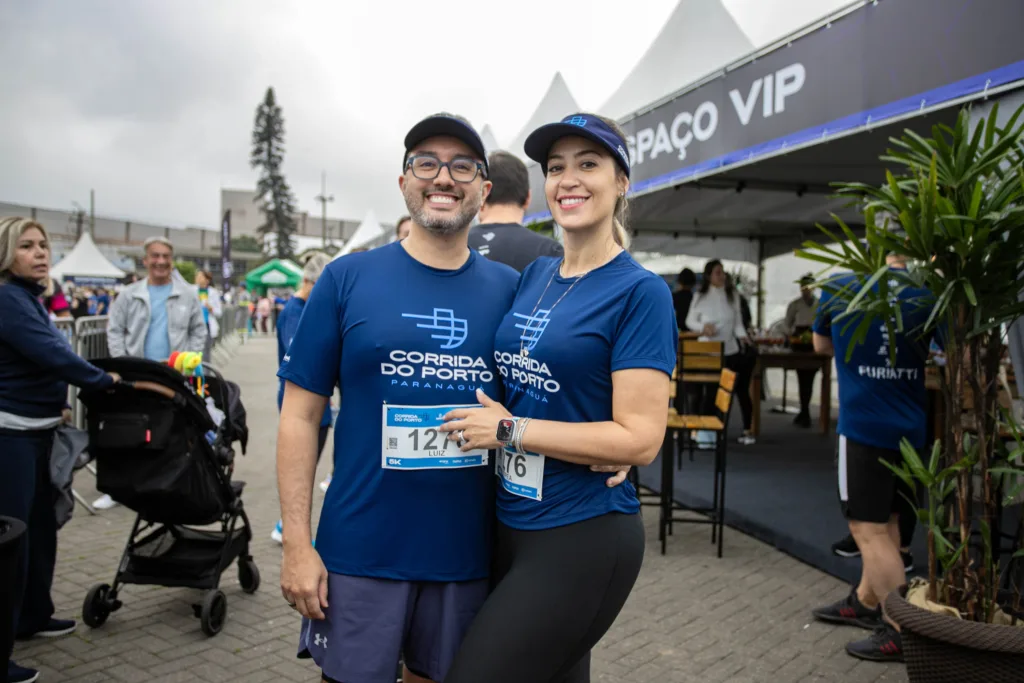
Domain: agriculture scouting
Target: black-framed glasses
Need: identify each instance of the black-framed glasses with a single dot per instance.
(428, 167)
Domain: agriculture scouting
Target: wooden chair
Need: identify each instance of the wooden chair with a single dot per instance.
(679, 427)
(700, 365)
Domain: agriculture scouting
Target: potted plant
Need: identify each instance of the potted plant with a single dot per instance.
(953, 207)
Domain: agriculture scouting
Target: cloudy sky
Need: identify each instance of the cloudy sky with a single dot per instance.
(151, 102)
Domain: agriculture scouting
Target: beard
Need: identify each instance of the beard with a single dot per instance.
(446, 224)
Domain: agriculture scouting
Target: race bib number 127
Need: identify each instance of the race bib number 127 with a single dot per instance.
(412, 440)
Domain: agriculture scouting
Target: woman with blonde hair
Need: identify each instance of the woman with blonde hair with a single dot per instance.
(36, 366)
(586, 353)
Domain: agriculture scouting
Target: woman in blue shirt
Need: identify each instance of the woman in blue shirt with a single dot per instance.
(36, 366)
(586, 354)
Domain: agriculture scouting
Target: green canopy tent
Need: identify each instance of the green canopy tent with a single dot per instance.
(274, 273)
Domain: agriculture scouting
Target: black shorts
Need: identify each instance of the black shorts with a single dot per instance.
(868, 490)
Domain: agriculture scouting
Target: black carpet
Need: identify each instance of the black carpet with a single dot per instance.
(781, 490)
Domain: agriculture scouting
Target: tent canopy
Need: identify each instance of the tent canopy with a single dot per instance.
(368, 232)
(556, 104)
(488, 138)
(274, 273)
(86, 261)
(740, 166)
(699, 37)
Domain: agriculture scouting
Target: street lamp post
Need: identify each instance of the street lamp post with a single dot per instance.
(323, 198)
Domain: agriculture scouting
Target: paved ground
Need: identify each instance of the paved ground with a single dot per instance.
(692, 617)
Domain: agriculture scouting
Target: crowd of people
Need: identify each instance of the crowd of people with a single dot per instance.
(496, 388)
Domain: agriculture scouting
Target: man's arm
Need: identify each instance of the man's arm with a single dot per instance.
(823, 344)
(116, 326)
(303, 575)
(790, 320)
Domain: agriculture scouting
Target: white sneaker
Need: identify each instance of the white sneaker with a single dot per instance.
(326, 483)
(275, 535)
(747, 440)
(104, 502)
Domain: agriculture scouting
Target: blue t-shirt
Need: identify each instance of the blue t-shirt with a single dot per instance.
(619, 316)
(287, 323)
(879, 403)
(158, 341)
(391, 331)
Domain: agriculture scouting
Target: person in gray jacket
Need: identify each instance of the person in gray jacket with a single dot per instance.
(156, 316)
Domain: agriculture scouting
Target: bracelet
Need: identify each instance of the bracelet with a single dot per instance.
(520, 430)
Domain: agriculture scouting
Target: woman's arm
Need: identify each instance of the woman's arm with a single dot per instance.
(693, 315)
(737, 309)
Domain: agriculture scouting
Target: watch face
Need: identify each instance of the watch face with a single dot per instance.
(505, 428)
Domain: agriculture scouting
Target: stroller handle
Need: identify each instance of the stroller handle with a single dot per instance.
(151, 386)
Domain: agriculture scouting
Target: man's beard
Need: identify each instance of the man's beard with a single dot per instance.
(447, 224)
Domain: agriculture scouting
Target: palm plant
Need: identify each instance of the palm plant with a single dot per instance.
(954, 210)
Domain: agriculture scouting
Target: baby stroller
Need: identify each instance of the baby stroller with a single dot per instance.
(159, 452)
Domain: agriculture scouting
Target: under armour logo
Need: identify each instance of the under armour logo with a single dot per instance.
(320, 641)
(577, 121)
(533, 327)
(453, 330)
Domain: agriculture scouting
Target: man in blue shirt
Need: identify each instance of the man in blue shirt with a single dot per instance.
(881, 403)
(287, 324)
(406, 331)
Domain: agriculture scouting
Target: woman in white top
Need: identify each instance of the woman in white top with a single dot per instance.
(716, 314)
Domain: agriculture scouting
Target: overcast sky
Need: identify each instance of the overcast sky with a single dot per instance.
(151, 102)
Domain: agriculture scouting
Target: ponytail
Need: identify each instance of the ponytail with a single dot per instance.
(619, 220)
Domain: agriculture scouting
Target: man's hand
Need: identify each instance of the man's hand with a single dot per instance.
(620, 473)
(304, 581)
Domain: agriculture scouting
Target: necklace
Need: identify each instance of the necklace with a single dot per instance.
(532, 321)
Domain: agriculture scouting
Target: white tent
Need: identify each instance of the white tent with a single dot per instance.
(488, 138)
(368, 232)
(699, 38)
(556, 104)
(86, 261)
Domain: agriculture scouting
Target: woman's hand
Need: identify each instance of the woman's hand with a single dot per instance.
(476, 427)
(709, 330)
(621, 471)
(66, 414)
(116, 377)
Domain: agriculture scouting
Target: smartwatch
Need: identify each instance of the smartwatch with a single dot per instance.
(506, 430)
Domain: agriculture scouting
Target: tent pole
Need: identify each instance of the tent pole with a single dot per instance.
(760, 282)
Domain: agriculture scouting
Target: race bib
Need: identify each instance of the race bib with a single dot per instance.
(521, 474)
(412, 440)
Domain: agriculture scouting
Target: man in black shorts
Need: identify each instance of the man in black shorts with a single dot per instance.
(500, 235)
(881, 404)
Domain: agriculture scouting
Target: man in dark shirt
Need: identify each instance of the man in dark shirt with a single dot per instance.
(500, 235)
(683, 297)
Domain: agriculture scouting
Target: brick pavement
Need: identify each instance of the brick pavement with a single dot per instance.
(691, 618)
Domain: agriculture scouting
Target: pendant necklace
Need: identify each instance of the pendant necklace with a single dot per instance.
(523, 351)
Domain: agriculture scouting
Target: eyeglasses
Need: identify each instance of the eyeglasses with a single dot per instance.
(428, 167)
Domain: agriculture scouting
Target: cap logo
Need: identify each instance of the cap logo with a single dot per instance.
(577, 121)
(622, 153)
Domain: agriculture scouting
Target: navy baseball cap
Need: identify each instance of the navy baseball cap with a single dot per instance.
(447, 125)
(583, 125)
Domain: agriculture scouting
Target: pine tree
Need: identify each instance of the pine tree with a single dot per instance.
(272, 191)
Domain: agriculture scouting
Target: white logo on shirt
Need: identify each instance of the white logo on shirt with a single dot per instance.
(320, 641)
(488, 236)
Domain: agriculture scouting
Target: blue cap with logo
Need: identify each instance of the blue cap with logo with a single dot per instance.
(538, 145)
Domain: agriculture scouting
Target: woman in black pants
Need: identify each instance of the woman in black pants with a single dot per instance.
(36, 365)
(586, 354)
(716, 313)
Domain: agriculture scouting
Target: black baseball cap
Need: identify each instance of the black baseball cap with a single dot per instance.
(447, 125)
(583, 125)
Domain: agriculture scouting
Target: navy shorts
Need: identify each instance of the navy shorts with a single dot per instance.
(372, 622)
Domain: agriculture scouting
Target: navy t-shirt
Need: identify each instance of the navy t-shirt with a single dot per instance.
(398, 336)
(880, 404)
(287, 323)
(619, 316)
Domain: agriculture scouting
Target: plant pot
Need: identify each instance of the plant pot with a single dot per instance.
(942, 649)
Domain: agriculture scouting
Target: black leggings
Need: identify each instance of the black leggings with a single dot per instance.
(743, 366)
(558, 592)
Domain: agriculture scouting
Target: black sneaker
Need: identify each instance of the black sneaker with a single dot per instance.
(802, 420)
(908, 562)
(21, 674)
(846, 548)
(883, 645)
(54, 629)
(851, 612)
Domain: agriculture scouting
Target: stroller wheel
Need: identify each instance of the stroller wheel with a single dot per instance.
(97, 606)
(215, 608)
(248, 575)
